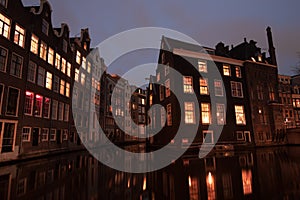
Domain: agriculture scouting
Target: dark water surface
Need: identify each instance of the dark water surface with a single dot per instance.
(267, 173)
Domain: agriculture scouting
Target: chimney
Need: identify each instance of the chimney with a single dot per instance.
(271, 47)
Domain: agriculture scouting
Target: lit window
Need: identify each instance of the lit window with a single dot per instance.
(29, 98)
(67, 112)
(202, 66)
(218, 88)
(67, 89)
(45, 134)
(247, 181)
(16, 66)
(161, 92)
(47, 104)
(78, 57)
(89, 67)
(221, 114)
(41, 76)
(12, 102)
(53, 135)
(49, 81)
(187, 84)
(272, 93)
(63, 65)
(26, 132)
(3, 59)
(61, 111)
(34, 44)
(43, 51)
(62, 87)
(189, 111)
(45, 27)
(169, 115)
(167, 87)
(38, 106)
(162, 116)
(82, 78)
(19, 37)
(205, 113)
(69, 69)
(54, 109)
(51, 56)
(65, 46)
(203, 86)
(208, 137)
(240, 115)
(56, 84)
(151, 99)
(76, 75)
(238, 72)
(83, 63)
(226, 70)
(57, 61)
(4, 26)
(236, 89)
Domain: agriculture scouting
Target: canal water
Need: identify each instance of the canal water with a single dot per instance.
(266, 173)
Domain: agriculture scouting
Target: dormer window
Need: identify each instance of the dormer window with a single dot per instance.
(85, 46)
(45, 27)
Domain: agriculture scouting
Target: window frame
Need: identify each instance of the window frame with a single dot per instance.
(43, 134)
(169, 115)
(43, 50)
(204, 87)
(45, 27)
(31, 102)
(16, 64)
(34, 44)
(29, 134)
(188, 87)
(218, 88)
(218, 114)
(19, 35)
(206, 113)
(41, 101)
(243, 115)
(226, 68)
(204, 134)
(54, 138)
(238, 72)
(7, 101)
(6, 25)
(48, 109)
(203, 68)
(48, 82)
(41, 69)
(190, 112)
(6, 58)
(1, 97)
(167, 88)
(235, 89)
(29, 72)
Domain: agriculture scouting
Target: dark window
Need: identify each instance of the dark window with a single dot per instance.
(3, 59)
(12, 101)
(16, 65)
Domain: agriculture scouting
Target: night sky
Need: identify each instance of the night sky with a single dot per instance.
(208, 22)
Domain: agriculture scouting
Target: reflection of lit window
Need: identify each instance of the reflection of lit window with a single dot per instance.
(151, 99)
(211, 188)
(76, 75)
(169, 115)
(218, 88)
(202, 66)
(226, 70)
(189, 113)
(227, 186)
(240, 115)
(38, 105)
(247, 181)
(78, 57)
(193, 188)
(162, 116)
(205, 113)
(221, 114)
(187, 84)
(167, 87)
(203, 86)
(238, 72)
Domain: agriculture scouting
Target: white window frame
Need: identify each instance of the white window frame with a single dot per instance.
(43, 134)
(18, 101)
(19, 36)
(68, 89)
(206, 113)
(65, 135)
(43, 50)
(187, 87)
(218, 88)
(241, 134)
(63, 65)
(42, 77)
(69, 68)
(204, 86)
(50, 56)
(205, 132)
(243, 115)
(34, 44)
(45, 27)
(42, 103)
(29, 134)
(189, 112)
(62, 86)
(202, 66)
(6, 26)
(57, 61)
(51, 134)
(238, 72)
(234, 89)
(219, 114)
(226, 67)
(49, 108)
(61, 111)
(54, 110)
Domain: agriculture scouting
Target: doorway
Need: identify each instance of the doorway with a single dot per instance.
(247, 136)
(35, 136)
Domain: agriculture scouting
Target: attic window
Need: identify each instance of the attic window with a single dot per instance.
(85, 46)
(45, 27)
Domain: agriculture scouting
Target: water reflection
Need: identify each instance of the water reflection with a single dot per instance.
(262, 174)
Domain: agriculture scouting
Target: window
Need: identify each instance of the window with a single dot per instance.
(67, 112)
(187, 84)
(162, 116)
(236, 89)
(240, 136)
(83, 63)
(218, 88)
(89, 67)
(29, 98)
(203, 86)
(56, 84)
(238, 72)
(3, 59)
(62, 87)
(21, 187)
(189, 111)
(45, 27)
(54, 109)
(1, 98)
(260, 92)
(65, 135)
(221, 114)
(67, 89)
(208, 137)
(61, 111)
(41, 77)
(167, 70)
(16, 65)
(53, 135)
(261, 116)
(205, 113)
(161, 92)
(226, 70)
(9, 137)
(31, 72)
(57, 61)
(167, 87)
(240, 115)
(43, 51)
(45, 134)
(169, 115)
(158, 77)
(49, 81)
(50, 56)
(272, 94)
(202, 66)
(34, 44)
(12, 102)
(78, 57)
(76, 75)
(3, 3)
(19, 37)
(65, 46)
(38, 106)
(82, 78)
(4, 26)
(47, 104)
(63, 65)
(26, 134)
(69, 69)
